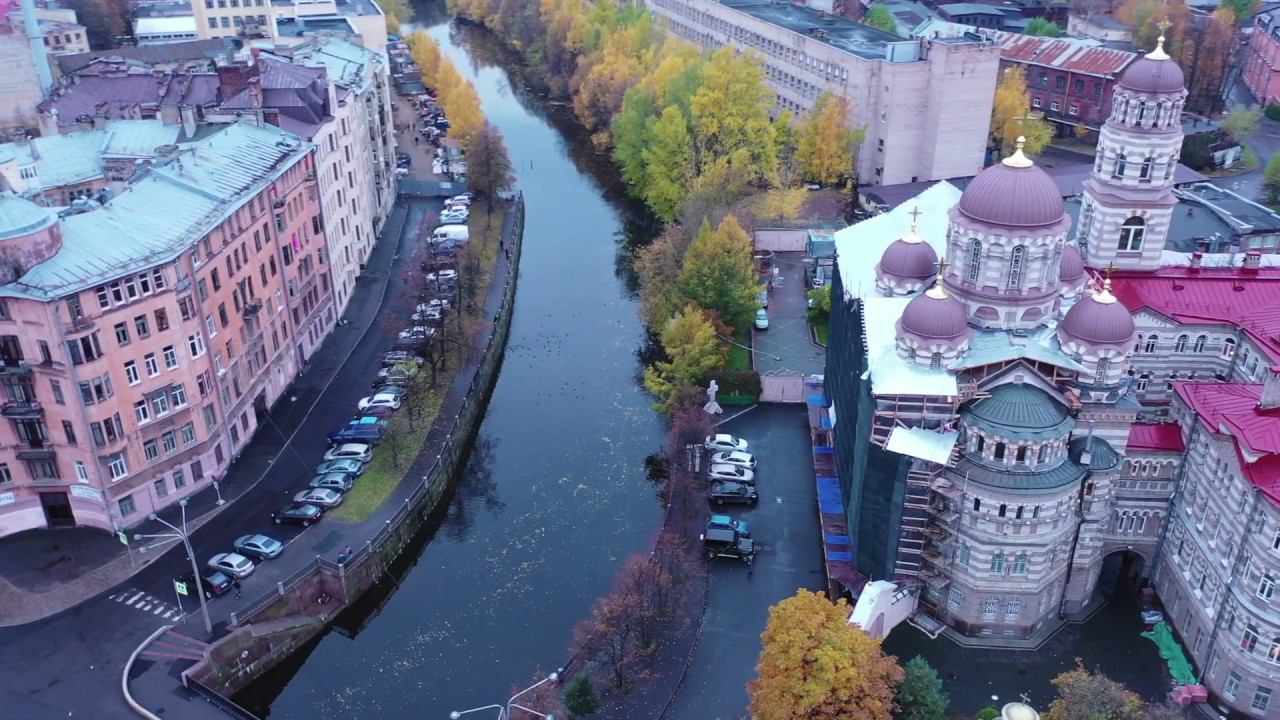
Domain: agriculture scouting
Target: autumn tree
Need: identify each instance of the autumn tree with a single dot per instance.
(826, 142)
(718, 275)
(488, 165)
(632, 127)
(920, 695)
(1010, 115)
(730, 116)
(1241, 121)
(658, 267)
(425, 52)
(1242, 10)
(693, 351)
(607, 75)
(623, 627)
(783, 203)
(1271, 179)
(814, 664)
(880, 18)
(1145, 18)
(1042, 27)
(668, 163)
(397, 11)
(1205, 57)
(460, 102)
(1083, 695)
(580, 697)
(103, 20)
(542, 701)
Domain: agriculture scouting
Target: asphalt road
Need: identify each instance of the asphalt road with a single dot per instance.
(785, 526)
(70, 665)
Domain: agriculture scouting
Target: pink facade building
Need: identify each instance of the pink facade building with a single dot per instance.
(140, 341)
(1261, 63)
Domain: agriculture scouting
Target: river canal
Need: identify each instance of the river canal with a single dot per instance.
(554, 497)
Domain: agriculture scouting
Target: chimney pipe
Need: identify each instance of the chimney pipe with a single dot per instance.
(1270, 399)
(1196, 258)
(38, 52)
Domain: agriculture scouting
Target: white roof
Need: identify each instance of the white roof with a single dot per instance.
(165, 25)
(892, 374)
(921, 443)
(859, 246)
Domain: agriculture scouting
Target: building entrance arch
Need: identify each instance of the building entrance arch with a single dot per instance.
(1123, 570)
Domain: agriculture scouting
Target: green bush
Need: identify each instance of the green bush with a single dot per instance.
(1273, 111)
(987, 713)
(1195, 151)
(737, 382)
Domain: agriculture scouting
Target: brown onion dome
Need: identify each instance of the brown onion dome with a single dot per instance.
(1154, 72)
(935, 315)
(909, 258)
(1013, 193)
(1099, 319)
(1071, 267)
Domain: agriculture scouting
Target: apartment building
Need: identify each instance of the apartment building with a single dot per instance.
(141, 341)
(1260, 62)
(905, 93)
(283, 20)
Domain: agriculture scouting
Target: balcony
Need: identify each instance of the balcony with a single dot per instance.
(14, 367)
(79, 324)
(933, 578)
(21, 409)
(35, 450)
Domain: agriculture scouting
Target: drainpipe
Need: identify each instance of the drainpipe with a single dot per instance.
(1252, 517)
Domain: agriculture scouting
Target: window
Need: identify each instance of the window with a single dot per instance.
(1055, 106)
(989, 608)
(997, 563)
(1100, 375)
(151, 450)
(1144, 173)
(188, 433)
(1273, 652)
(964, 555)
(998, 453)
(141, 411)
(1019, 564)
(127, 507)
(1229, 348)
(179, 395)
(1016, 259)
(1131, 233)
(1232, 685)
(122, 334)
(170, 358)
(1012, 609)
(1004, 509)
(210, 327)
(153, 367)
(1249, 639)
(186, 309)
(1201, 341)
(977, 504)
(1261, 699)
(162, 320)
(955, 599)
(195, 344)
(1266, 586)
(1151, 343)
(1275, 540)
(160, 404)
(70, 431)
(82, 473)
(118, 469)
(179, 479)
(5, 475)
(1117, 171)
(141, 324)
(974, 261)
(131, 373)
(56, 387)
(169, 442)
(1036, 102)
(84, 349)
(1073, 109)
(1180, 346)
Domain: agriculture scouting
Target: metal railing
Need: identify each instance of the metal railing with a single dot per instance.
(400, 527)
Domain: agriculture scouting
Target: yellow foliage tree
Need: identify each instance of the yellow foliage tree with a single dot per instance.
(1011, 115)
(425, 52)
(731, 114)
(814, 664)
(781, 203)
(827, 143)
(609, 74)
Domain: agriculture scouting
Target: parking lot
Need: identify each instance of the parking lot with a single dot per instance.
(786, 347)
(785, 529)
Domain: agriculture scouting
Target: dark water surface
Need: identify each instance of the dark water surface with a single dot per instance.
(554, 497)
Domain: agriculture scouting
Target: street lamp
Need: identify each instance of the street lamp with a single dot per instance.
(181, 534)
(504, 711)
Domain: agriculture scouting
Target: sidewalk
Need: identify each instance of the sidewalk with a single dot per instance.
(45, 572)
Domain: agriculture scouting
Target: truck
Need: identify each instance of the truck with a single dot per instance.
(718, 541)
(451, 233)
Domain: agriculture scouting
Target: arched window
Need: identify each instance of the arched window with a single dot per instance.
(935, 360)
(1137, 345)
(1253, 365)
(999, 451)
(1229, 348)
(974, 261)
(1004, 509)
(1249, 639)
(964, 554)
(1020, 564)
(977, 504)
(1150, 345)
(1035, 512)
(1017, 515)
(1201, 341)
(1042, 454)
(997, 563)
(979, 444)
(1118, 170)
(1021, 454)
(1181, 345)
(1131, 233)
(1100, 375)
(1088, 489)
(1016, 259)
(1142, 111)
(1144, 173)
(1143, 380)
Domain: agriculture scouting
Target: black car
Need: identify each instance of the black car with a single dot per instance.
(298, 514)
(723, 542)
(213, 582)
(733, 492)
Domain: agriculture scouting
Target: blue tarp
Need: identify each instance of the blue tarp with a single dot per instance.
(836, 539)
(842, 555)
(829, 499)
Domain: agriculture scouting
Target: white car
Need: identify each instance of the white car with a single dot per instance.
(442, 276)
(430, 315)
(350, 451)
(454, 218)
(433, 306)
(233, 564)
(417, 332)
(324, 497)
(725, 443)
(381, 400)
(735, 473)
(737, 457)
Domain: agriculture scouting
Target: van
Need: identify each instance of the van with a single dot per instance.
(451, 233)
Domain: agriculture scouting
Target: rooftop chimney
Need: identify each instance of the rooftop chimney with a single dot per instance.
(1253, 260)
(1196, 258)
(1270, 389)
(38, 52)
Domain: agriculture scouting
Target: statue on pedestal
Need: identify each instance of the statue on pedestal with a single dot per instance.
(712, 407)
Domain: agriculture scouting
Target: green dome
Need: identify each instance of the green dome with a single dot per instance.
(1019, 411)
(1101, 455)
(20, 217)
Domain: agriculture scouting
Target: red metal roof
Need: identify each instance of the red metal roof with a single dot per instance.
(1233, 408)
(1248, 299)
(1165, 437)
(1072, 54)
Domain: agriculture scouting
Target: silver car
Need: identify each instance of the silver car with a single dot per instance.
(736, 473)
(233, 564)
(341, 482)
(741, 459)
(324, 497)
(258, 546)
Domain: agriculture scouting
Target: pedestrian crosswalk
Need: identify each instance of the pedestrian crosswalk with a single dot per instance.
(150, 604)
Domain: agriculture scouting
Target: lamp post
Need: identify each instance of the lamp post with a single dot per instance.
(504, 711)
(181, 534)
(218, 490)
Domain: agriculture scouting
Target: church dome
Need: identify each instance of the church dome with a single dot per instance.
(1099, 319)
(1019, 409)
(1154, 72)
(909, 258)
(1071, 267)
(1013, 193)
(934, 315)
(20, 217)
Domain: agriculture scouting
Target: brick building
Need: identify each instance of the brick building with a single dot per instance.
(1260, 66)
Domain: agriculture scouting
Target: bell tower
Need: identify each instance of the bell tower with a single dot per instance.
(1128, 201)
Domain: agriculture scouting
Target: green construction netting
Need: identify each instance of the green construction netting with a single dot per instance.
(1179, 667)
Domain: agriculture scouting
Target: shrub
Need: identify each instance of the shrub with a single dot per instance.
(1273, 111)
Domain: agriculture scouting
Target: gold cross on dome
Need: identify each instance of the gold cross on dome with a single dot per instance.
(1164, 25)
(942, 266)
(1111, 267)
(915, 214)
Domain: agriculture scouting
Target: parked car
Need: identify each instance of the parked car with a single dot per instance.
(725, 443)
(380, 400)
(324, 497)
(233, 564)
(417, 333)
(737, 457)
(393, 390)
(212, 582)
(725, 542)
(341, 482)
(258, 546)
(762, 319)
(762, 298)
(395, 357)
(724, 521)
(442, 276)
(298, 514)
(357, 432)
(735, 473)
(350, 451)
(454, 218)
(431, 315)
(396, 375)
(725, 491)
(350, 466)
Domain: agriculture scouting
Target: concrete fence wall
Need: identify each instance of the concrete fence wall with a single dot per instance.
(782, 239)
(782, 388)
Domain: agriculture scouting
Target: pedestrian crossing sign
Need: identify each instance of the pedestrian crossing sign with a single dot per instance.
(180, 587)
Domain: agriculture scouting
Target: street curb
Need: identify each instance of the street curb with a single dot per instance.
(124, 676)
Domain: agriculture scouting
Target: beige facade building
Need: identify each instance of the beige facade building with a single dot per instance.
(140, 341)
(290, 21)
(903, 92)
